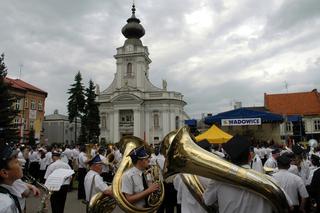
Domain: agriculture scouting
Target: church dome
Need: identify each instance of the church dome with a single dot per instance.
(133, 29)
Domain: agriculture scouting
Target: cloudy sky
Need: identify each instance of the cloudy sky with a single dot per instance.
(215, 52)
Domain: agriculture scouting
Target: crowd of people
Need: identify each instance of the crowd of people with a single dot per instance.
(293, 168)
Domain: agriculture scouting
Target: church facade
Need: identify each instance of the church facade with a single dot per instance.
(132, 105)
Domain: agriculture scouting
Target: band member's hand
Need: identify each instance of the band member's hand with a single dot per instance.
(108, 192)
(35, 191)
(153, 187)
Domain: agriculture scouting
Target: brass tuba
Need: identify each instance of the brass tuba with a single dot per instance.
(127, 144)
(184, 156)
(101, 203)
(192, 181)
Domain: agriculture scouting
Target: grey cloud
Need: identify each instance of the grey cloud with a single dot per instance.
(55, 39)
(293, 13)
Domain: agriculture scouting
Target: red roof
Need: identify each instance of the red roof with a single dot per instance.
(19, 84)
(301, 103)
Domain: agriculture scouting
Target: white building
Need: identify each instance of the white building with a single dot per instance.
(132, 105)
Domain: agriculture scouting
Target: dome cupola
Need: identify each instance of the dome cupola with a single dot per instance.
(133, 29)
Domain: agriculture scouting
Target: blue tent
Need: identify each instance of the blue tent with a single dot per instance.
(191, 122)
(294, 118)
(266, 117)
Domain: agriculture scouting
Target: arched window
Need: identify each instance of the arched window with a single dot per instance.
(177, 122)
(129, 70)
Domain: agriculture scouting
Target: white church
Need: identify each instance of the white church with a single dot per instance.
(132, 105)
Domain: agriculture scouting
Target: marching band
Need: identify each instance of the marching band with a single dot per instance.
(294, 169)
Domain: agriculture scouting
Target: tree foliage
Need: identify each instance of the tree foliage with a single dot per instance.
(91, 118)
(8, 130)
(76, 101)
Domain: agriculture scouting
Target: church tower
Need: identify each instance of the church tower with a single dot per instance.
(132, 105)
(132, 58)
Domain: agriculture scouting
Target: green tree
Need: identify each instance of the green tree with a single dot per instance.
(76, 101)
(91, 116)
(8, 130)
(83, 138)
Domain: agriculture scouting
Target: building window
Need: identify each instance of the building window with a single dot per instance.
(103, 121)
(25, 102)
(289, 126)
(177, 122)
(16, 122)
(129, 70)
(126, 118)
(316, 125)
(40, 107)
(33, 104)
(18, 104)
(31, 124)
(156, 120)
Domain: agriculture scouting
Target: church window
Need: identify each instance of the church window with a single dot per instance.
(129, 70)
(177, 122)
(103, 121)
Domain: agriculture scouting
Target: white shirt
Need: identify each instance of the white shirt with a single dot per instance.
(220, 154)
(43, 163)
(271, 163)
(234, 200)
(291, 184)
(82, 159)
(104, 167)
(188, 203)
(75, 153)
(69, 153)
(293, 169)
(304, 171)
(33, 156)
(58, 164)
(21, 159)
(97, 186)
(48, 158)
(256, 164)
(312, 170)
(157, 159)
(132, 184)
(7, 203)
(18, 188)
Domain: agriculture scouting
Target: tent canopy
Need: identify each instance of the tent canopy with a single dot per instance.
(214, 135)
(266, 117)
